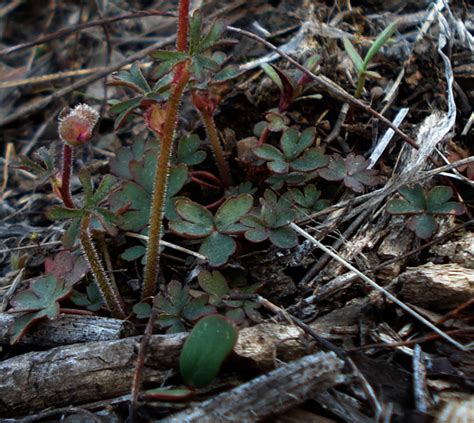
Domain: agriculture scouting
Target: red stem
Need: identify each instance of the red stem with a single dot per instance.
(206, 174)
(204, 183)
(215, 204)
(183, 25)
(66, 177)
(74, 311)
(263, 137)
(213, 136)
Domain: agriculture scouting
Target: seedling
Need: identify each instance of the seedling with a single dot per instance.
(353, 171)
(294, 154)
(421, 208)
(218, 288)
(92, 299)
(306, 200)
(362, 65)
(291, 88)
(177, 308)
(205, 349)
(81, 221)
(272, 223)
(216, 231)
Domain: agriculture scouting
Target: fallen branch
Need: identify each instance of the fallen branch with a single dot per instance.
(270, 394)
(82, 373)
(68, 329)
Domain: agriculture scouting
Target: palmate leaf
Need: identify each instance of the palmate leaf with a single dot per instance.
(38, 302)
(196, 222)
(231, 211)
(295, 153)
(177, 307)
(215, 284)
(188, 151)
(352, 170)
(132, 78)
(218, 248)
(422, 207)
(293, 143)
(275, 215)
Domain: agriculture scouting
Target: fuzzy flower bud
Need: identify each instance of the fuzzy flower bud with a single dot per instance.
(77, 125)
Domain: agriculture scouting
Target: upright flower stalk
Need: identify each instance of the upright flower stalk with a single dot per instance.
(106, 286)
(180, 81)
(75, 129)
(206, 108)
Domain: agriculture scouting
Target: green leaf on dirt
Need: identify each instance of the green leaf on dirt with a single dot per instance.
(205, 349)
(421, 208)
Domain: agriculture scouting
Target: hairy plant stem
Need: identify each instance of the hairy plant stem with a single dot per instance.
(183, 25)
(181, 78)
(107, 288)
(160, 186)
(66, 172)
(211, 130)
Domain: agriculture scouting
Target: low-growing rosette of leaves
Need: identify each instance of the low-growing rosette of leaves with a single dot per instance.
(272, 222)
(216, 285)
(306, 200)
(135, 166)
(295, 153)
(216, 231)
(353, 171)
(421, 208)
(177, 308)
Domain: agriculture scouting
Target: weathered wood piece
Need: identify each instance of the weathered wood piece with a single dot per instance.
(460, 251)
(439, 286)
(88, 372)
(68, 329)
(269, 394)
(80, 373)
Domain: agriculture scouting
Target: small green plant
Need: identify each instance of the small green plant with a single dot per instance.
(177, 309)
(306, 200)
(362, 65)
(205, 349)
(216, 231)
(421, 208)
(272, 222)
(39, 302)
(216, 285)
(92, 299)
(352, 170)
(81, 222)
(191, 63)
(291, 87)
(295, 153)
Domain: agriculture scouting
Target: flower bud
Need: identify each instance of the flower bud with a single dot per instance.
(77, 125)
(155, 117)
